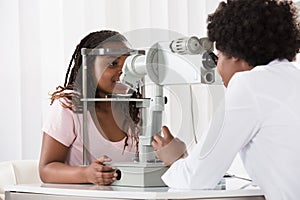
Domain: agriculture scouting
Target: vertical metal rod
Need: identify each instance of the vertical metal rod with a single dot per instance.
(155, 115)
(84, 117)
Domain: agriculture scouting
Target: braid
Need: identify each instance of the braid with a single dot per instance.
(72, 81)
(90, 41)
(70, 65)
(134, 113)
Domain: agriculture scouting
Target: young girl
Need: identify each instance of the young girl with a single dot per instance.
(112, 126)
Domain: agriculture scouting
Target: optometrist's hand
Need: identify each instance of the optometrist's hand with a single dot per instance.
(100, 174)
(167, 148)
(159, 142)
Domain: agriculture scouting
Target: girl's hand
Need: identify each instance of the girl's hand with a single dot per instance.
(100, 174)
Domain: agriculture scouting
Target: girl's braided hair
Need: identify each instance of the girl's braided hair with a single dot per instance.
(71, 91)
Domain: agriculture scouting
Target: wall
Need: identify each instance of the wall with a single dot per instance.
(37, 41)
(10, 106)
(38, 38)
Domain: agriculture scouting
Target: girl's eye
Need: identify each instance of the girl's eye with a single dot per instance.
(113, 64)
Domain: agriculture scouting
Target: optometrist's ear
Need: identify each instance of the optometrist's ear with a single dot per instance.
(235, 59)
(242, 63)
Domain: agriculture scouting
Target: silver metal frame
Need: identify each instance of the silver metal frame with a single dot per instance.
(100, 51)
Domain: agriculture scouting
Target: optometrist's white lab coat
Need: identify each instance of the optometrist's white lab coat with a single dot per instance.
(262, 122)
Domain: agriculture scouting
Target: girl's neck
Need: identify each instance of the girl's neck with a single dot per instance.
(103, 106)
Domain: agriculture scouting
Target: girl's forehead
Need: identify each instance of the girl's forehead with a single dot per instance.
(115, 45)
(120, 48)
(110, 57)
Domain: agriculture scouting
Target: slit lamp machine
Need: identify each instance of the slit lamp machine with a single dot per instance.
(186, 60)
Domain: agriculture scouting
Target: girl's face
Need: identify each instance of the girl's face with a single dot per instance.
(228, 66)
(108, 70)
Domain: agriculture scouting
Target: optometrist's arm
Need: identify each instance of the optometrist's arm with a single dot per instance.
(230, 131)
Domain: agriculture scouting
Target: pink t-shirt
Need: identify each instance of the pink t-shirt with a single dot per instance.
(65, 126)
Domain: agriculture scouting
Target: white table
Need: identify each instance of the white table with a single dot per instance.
(93, 192)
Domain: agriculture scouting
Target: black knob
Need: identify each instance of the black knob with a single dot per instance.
(119, 174)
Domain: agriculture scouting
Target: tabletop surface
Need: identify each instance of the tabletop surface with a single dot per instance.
(234, 188)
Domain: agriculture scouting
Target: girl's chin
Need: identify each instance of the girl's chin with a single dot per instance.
(120, 89)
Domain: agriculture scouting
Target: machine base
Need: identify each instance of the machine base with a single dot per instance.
(140, 174)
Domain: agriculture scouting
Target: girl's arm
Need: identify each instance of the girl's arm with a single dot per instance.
(52, 167)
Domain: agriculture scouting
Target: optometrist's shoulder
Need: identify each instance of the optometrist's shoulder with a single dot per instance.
(61, 157)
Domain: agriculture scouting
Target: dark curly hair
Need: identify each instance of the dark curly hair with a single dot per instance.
(257, 31)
